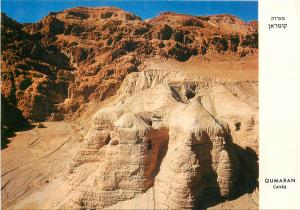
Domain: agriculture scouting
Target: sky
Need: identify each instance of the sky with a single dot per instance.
(28, 11)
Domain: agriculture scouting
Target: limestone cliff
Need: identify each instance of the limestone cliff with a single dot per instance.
(162, 140)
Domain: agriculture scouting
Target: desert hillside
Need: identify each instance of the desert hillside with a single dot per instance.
(136, 114)
(83, 54)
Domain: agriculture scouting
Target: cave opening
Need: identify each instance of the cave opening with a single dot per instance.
(237, 126)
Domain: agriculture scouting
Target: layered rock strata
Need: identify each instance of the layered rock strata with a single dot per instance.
(162, 139)
(83, 54)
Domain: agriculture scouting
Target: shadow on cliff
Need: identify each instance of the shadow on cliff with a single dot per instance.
(157, 147)
(246, 176)
(205, 196)
(248, 172)
(12, 120)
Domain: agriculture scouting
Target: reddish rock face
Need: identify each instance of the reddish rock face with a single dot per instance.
(83, 54)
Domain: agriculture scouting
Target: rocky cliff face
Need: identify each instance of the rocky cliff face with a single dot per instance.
(166, 140)
(83, 54)
(163, 144)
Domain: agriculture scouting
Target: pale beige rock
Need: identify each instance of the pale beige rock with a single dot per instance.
(164, 142)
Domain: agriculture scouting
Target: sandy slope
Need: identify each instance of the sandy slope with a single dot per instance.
(35, 158)
(236, 70)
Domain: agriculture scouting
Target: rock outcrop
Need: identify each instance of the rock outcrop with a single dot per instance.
(166, 140)
(34, 75)
(163, 140)
(83, 54)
